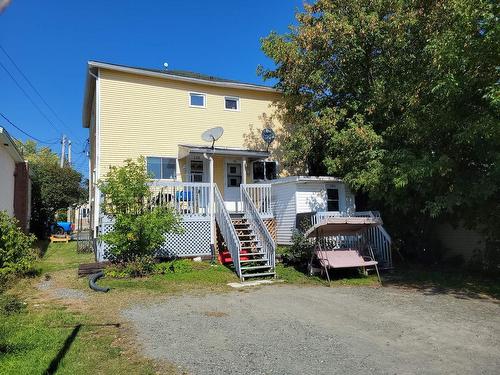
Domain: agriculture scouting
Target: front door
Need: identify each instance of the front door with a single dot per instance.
(232, 180)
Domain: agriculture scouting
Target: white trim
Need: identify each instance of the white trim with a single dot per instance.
(165, 75)
(199, 94)
(238, 103)
(97, 191)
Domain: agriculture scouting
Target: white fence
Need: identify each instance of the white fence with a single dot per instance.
(260, 194)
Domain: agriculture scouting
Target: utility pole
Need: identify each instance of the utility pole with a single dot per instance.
(69, 152)
(63, 144)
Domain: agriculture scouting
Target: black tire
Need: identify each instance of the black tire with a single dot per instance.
(59, 230)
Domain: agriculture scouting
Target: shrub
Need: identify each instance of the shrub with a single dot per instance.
(138, 230)
(16, 252)
(300, 251)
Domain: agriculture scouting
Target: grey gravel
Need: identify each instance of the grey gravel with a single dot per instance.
(63, 293)
(320, 330)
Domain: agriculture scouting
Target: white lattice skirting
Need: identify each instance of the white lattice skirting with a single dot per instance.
(193, 242)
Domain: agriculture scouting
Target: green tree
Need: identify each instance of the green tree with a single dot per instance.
(53, 188)
(139, 229)
(401, 99)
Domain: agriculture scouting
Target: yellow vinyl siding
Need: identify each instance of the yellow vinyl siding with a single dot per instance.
(151, 116)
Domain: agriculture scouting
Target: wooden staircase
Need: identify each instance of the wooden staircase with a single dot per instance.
(253, 261)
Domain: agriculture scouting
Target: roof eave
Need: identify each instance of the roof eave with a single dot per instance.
(11, 147)
(90, 83)
(223, 151)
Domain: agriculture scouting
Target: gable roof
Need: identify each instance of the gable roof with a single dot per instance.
(174, 75)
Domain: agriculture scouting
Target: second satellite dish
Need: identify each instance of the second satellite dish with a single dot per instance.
(213, 134)
(268, 136)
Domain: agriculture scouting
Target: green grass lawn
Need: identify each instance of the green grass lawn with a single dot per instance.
(62, 256)
(40, 336)
(50, 339)
(202, 276)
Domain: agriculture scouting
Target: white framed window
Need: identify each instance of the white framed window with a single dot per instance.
(231, 103)
(197, 100)
(161, 168)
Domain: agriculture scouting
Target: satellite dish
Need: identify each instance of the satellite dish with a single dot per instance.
(165, 64)
(268, 136)
(212, 134)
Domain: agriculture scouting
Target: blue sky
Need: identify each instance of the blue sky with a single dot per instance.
(51, 42)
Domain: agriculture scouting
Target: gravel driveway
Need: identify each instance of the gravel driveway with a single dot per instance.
(320, 330)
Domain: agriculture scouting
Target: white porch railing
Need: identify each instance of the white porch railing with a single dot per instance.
(320, 216)
(378, 237)
(260, 195)
(185, 198)
(252, 214)
(227, 230)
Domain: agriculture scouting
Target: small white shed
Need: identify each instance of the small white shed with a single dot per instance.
(306, 194)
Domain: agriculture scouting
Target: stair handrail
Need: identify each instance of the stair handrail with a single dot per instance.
(227, 230)
(260, 229)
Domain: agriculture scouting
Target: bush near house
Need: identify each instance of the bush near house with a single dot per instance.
(138, 230)
(16, 252)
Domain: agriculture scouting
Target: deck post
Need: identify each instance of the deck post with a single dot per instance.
(211, 204)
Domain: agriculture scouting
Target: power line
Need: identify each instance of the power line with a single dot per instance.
(28, 96)
(29, 135)
(35, 89)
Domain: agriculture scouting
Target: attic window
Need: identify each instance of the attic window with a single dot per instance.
(197, 100)
(232, 103)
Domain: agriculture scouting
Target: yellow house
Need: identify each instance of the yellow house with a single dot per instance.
(227, 189)
(161, 115)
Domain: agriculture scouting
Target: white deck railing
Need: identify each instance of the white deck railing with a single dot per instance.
(252, 214)
(260, 194)
(378, 237)
(227, 230)
(320, 216)
(185, 198)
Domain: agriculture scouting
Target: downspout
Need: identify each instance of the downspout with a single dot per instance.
(212, 205)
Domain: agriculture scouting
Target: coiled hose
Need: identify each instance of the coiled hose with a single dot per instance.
(92, 282)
